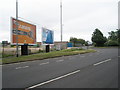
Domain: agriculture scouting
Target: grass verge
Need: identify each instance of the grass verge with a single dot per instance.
(107, 47)
(42, 56)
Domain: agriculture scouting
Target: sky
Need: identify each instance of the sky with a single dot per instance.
(80, 17)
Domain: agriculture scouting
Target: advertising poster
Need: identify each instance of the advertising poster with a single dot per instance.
(26, 32)
(47, 36)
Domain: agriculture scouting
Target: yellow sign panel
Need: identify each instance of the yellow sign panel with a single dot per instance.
(26, 32)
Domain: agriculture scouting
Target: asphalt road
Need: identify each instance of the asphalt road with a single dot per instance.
(91, 70)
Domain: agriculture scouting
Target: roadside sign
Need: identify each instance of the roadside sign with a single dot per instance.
(26, 32)
(47, 36)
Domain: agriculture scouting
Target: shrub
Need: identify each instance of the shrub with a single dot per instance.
(112, 43)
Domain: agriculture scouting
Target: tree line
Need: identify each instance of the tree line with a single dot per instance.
(98, 39)
(78, 41)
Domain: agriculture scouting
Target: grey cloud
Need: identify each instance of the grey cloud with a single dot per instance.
(80, 17)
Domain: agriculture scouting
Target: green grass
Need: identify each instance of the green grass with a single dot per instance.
(6, 55)
(69, 50)
(108, 47)
(42, 56)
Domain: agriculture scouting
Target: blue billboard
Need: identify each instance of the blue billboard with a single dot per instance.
(47, 36)
(69, 44)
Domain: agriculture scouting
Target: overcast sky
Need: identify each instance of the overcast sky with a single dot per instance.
(80, 17)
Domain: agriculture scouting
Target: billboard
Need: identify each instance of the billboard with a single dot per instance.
(26, 32)
(47, 36)
(69, 44)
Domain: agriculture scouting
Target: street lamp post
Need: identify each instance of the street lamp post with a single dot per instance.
(61, 18)
(61, 23)
(17, 28)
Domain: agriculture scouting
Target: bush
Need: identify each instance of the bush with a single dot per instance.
(112, 43)
(12, 45)
(40, 51)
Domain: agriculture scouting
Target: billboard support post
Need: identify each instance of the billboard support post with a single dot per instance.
(16, 28)
(47, 48)
(24, 49)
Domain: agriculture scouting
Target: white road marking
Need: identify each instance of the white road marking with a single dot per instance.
(90, 55)
(14, 64)
(98, 51)
(23, 62)
(47, 59)
(102, 62)
(53, 79)
(21, 67)
(33, 61)
(70, 57)
(82, 56)
(17, 63)
(44, 63)
(59, 60)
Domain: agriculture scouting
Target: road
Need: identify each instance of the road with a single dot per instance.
(90, 70)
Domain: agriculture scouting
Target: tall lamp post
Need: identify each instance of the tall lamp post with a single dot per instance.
(61, 28)
(61, 18)
(17, 28)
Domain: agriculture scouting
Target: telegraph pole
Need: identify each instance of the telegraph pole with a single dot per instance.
(61, 18)
(17, 28)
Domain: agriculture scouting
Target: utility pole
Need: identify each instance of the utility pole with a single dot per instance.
(61, 18)
(17, 28)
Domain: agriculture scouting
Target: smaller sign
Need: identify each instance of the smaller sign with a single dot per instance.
(47, 36)
(4, 42)
(69, 44)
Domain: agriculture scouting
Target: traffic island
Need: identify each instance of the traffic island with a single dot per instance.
(42, 56)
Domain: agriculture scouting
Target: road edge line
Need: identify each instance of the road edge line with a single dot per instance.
(46, 82)
(102, 62)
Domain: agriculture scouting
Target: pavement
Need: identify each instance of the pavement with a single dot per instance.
(90, 70)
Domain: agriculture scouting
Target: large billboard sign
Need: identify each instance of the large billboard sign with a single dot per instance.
(26, 32)
(47, 36)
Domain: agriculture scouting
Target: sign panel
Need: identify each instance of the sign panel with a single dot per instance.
(26, 32)
(69, 44)
(47, 36)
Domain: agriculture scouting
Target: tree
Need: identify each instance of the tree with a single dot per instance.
(77, 41)
(73, 40)
(118, 34)
(86, 43)
(114, 38)
(97, 38)
(113, 35)
(81, 41)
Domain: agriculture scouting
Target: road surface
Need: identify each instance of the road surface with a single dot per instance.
(90, 70)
